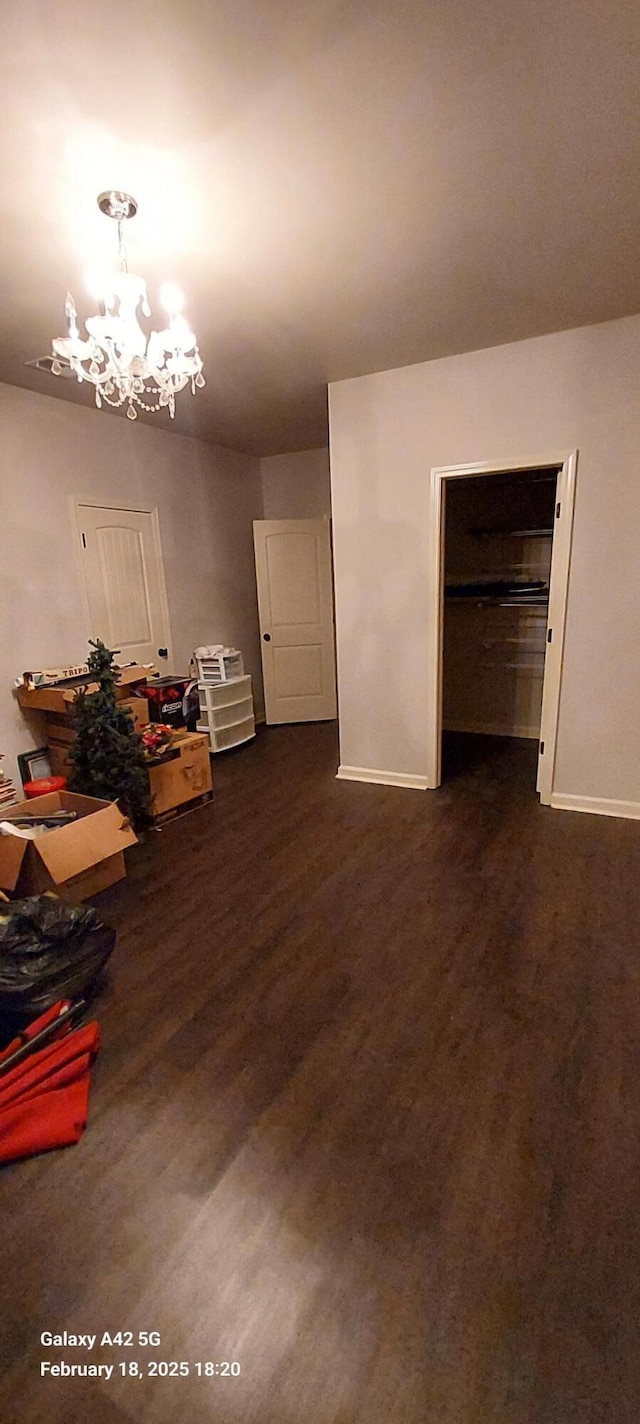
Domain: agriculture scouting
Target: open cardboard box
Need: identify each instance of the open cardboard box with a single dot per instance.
(76, 860)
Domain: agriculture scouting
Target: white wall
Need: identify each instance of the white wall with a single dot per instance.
(296, 486)
(206, 498)
(577, 389)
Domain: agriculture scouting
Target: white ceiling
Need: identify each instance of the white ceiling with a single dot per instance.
(337, 187)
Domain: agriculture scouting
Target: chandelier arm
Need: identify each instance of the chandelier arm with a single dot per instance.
(84, 375)
(179, 382)
(97, 378)
(158, 373)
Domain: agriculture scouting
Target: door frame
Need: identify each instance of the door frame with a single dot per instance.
(566, 464)
(75, 504)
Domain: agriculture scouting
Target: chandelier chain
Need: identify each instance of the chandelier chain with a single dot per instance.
(122, 251)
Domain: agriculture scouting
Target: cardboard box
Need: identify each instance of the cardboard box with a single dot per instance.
(58, 699)
(186, 777)
(58, 726)
(76, 860)
(59, 757)
(46, 677)
(138, 707)
(169, 704)
(127, 676)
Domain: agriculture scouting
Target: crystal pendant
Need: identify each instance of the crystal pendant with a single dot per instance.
(131, 413)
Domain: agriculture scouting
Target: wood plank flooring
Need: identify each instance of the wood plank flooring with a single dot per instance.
(366, 1117)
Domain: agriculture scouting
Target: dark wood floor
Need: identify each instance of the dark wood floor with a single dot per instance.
(366, 1118)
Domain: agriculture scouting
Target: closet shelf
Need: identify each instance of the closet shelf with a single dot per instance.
(520, 602)
(533, 668)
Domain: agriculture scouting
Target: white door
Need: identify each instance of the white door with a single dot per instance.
(124, 582)
(295, 602)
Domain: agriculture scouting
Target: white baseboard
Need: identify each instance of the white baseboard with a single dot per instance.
(382, 778)
(493, 729)
(592, 805)
(596, 806)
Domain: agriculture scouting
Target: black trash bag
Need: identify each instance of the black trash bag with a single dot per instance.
(49, 950)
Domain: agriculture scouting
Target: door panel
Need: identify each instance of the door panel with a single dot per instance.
(128, 615)
(294, 579)
(124, 581)
(298, 671)
(295, 600)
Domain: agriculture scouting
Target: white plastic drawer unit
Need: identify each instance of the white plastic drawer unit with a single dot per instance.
(234, 736)
(223, 668)
(231, 715)
(226, 713)
(223, 694)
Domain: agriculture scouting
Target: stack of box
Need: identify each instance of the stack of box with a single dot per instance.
(54, 705)
(180, 779)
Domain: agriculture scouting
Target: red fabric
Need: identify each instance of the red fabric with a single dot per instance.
(44, 1099)
(54, 1119)
(33, 1073)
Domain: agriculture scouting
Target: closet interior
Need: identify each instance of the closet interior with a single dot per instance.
(498, 542)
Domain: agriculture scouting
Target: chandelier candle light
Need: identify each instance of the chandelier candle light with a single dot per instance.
(118, 359)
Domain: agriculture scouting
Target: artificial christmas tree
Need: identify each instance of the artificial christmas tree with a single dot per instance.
(107, 756)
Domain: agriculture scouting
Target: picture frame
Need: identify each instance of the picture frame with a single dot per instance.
(34, 764)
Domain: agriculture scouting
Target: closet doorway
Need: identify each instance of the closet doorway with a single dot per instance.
(501, 544)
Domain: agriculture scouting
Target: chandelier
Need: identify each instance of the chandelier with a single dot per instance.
(117, 358)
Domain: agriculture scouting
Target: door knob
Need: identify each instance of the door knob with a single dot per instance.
(163, 652)
(267, 637)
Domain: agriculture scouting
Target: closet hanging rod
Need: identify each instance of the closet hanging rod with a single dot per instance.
(493, 602)
(511, 533)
